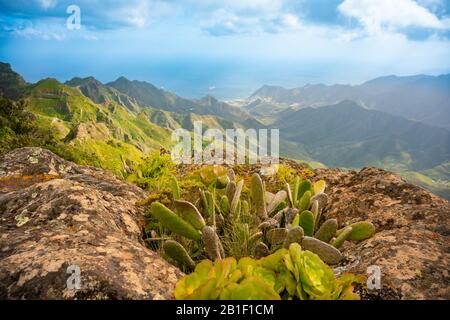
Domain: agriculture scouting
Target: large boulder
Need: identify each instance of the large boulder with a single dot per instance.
(57, 218)
(411, 246)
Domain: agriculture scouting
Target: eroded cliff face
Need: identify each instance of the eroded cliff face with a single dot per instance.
(54, 214)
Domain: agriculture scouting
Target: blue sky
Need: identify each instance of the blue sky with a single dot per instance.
(227, 48)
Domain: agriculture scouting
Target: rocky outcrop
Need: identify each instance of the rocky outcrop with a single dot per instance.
(56, 217)
(411, 245)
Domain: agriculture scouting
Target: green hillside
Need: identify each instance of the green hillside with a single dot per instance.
(117, 126)
(12, 84)
(99, 93)
(347, 135)
(440, 186)
(113, 136)
(149, 96)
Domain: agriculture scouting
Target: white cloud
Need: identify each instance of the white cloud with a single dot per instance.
(140, 13)
(378, 16)
(265, 6)
(32, 32)
(246, 17)
(47, 4)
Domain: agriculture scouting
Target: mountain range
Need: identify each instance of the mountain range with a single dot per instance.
(397, 123)
(419, 98)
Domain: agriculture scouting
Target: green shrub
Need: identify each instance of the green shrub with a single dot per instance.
(286, 274)
(154, 173)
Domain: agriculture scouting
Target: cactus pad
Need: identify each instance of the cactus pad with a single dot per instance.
(294, 235)
(276, 236)
(326, 252)
(327, 230)
(173, 222)
(307, 222)
(178, 253)
(190, 213)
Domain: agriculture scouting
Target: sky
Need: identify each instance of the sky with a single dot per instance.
(227, 48)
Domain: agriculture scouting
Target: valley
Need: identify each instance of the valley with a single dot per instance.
(117, 125)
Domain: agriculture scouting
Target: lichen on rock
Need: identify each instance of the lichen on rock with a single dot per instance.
(55, 214)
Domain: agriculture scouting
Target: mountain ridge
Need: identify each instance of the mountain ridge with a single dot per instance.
(116, 128)
(403, 96)
(351, 136)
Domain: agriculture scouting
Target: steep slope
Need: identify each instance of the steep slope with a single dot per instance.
(19, 127)
(12, 85)
(107, 135)
(211, 112)
(436, 179)
(347, 135)
(99, 93)
(147, 95)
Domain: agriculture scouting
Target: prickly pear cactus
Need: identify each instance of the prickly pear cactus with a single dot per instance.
(361, 231)
(230, 190)
(212, 244)
(339, 241)
(257, 222)
(327, 230)
(319, 187)
(303, 187)
(325, 251)
(178, 253)
(190, 213)
(173, 222)
(258, 196)
(236, 198)
(278, 198)
(294, 235)
(307, 222)
(305, 201)
(322, 200)
(276, 236)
